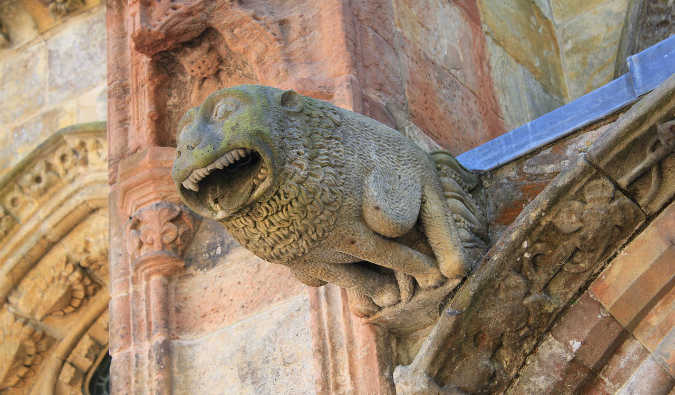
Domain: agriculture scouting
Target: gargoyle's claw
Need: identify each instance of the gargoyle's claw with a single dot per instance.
(387, 295)
(409, 381)
(406, 286)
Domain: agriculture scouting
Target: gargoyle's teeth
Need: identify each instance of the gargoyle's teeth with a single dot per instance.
(192, 182)
(191, 185)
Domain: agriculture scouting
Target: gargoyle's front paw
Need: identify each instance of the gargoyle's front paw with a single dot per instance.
(430, 280)
(410, 381)
(455, 269)
(386, 296)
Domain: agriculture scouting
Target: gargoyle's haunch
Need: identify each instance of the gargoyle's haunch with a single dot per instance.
(335, 196)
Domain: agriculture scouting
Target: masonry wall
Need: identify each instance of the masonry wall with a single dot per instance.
(52, 75)
(546, 53)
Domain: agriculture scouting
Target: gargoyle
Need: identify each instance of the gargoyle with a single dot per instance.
(335, 196)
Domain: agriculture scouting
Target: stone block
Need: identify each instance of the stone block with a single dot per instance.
(527, 35)
(634, 262)
(443, 107)
(588, 331)
(644, 291)
(620, 367)
(268, 353)
(589, 33)
(521, 97)
(552, 370)
(210, 300)
(76, 56)
(446, 75)
(92, 105)
(649, 378)
(23, 80)
(27, 135)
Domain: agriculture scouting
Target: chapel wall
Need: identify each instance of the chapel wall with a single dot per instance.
(52, 74)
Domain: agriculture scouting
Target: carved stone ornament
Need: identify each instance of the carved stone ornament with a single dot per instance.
(64, 290)
(21, 346)
(61, 8)
(160, 228)
(333, 195)
(4, 36)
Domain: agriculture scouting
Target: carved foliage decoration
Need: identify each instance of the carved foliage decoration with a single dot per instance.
(160, 227)
(63, 290)
(7, 222)
(503, 311)
(54, 168)
(61, 8)
(21, 346)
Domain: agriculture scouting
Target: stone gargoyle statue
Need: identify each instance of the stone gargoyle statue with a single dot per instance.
(333, 195)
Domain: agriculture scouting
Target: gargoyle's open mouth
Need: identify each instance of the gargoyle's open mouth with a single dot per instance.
(228, 182)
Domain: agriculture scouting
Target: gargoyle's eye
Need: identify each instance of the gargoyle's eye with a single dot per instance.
(224, 109)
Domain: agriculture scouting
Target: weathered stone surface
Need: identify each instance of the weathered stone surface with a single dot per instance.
(446, 74)
(27, 135)
(542, 264)
(521, 97)
(649, 378)
(589, 33)
(207, 301)
(229, 362)
(633, 149)
(619, 368)
(92, 105)
(76, 57)
(512, 187)
(23, 79)
(552, 370)
(527, 35)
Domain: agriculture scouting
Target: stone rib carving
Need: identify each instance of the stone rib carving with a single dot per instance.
(554, 247)
(21, 346)
(311, 186)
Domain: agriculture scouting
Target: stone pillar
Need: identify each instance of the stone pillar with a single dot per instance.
(368, 57)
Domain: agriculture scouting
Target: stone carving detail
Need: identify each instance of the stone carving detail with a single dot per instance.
(4, 37)
(61, 8)
(59, 164)
(7, 222)
(333, 195)
(64, 289)
(160, 227)
(21, 346)
(519, 292)
(204, 66)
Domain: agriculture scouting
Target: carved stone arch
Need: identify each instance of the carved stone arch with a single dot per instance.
(54, 264)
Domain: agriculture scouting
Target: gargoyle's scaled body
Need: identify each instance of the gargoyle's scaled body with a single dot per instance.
(335, 196)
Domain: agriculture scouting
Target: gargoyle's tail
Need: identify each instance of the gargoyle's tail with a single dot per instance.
(459, 186)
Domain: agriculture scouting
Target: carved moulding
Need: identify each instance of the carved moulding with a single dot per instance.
(548, 255)
(50, 199)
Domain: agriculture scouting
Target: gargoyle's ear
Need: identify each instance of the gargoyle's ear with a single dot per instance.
(291, 101)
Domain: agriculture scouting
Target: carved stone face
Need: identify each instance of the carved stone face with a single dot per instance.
(227, 157)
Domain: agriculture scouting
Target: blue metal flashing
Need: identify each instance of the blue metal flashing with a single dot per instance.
(648, 69)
